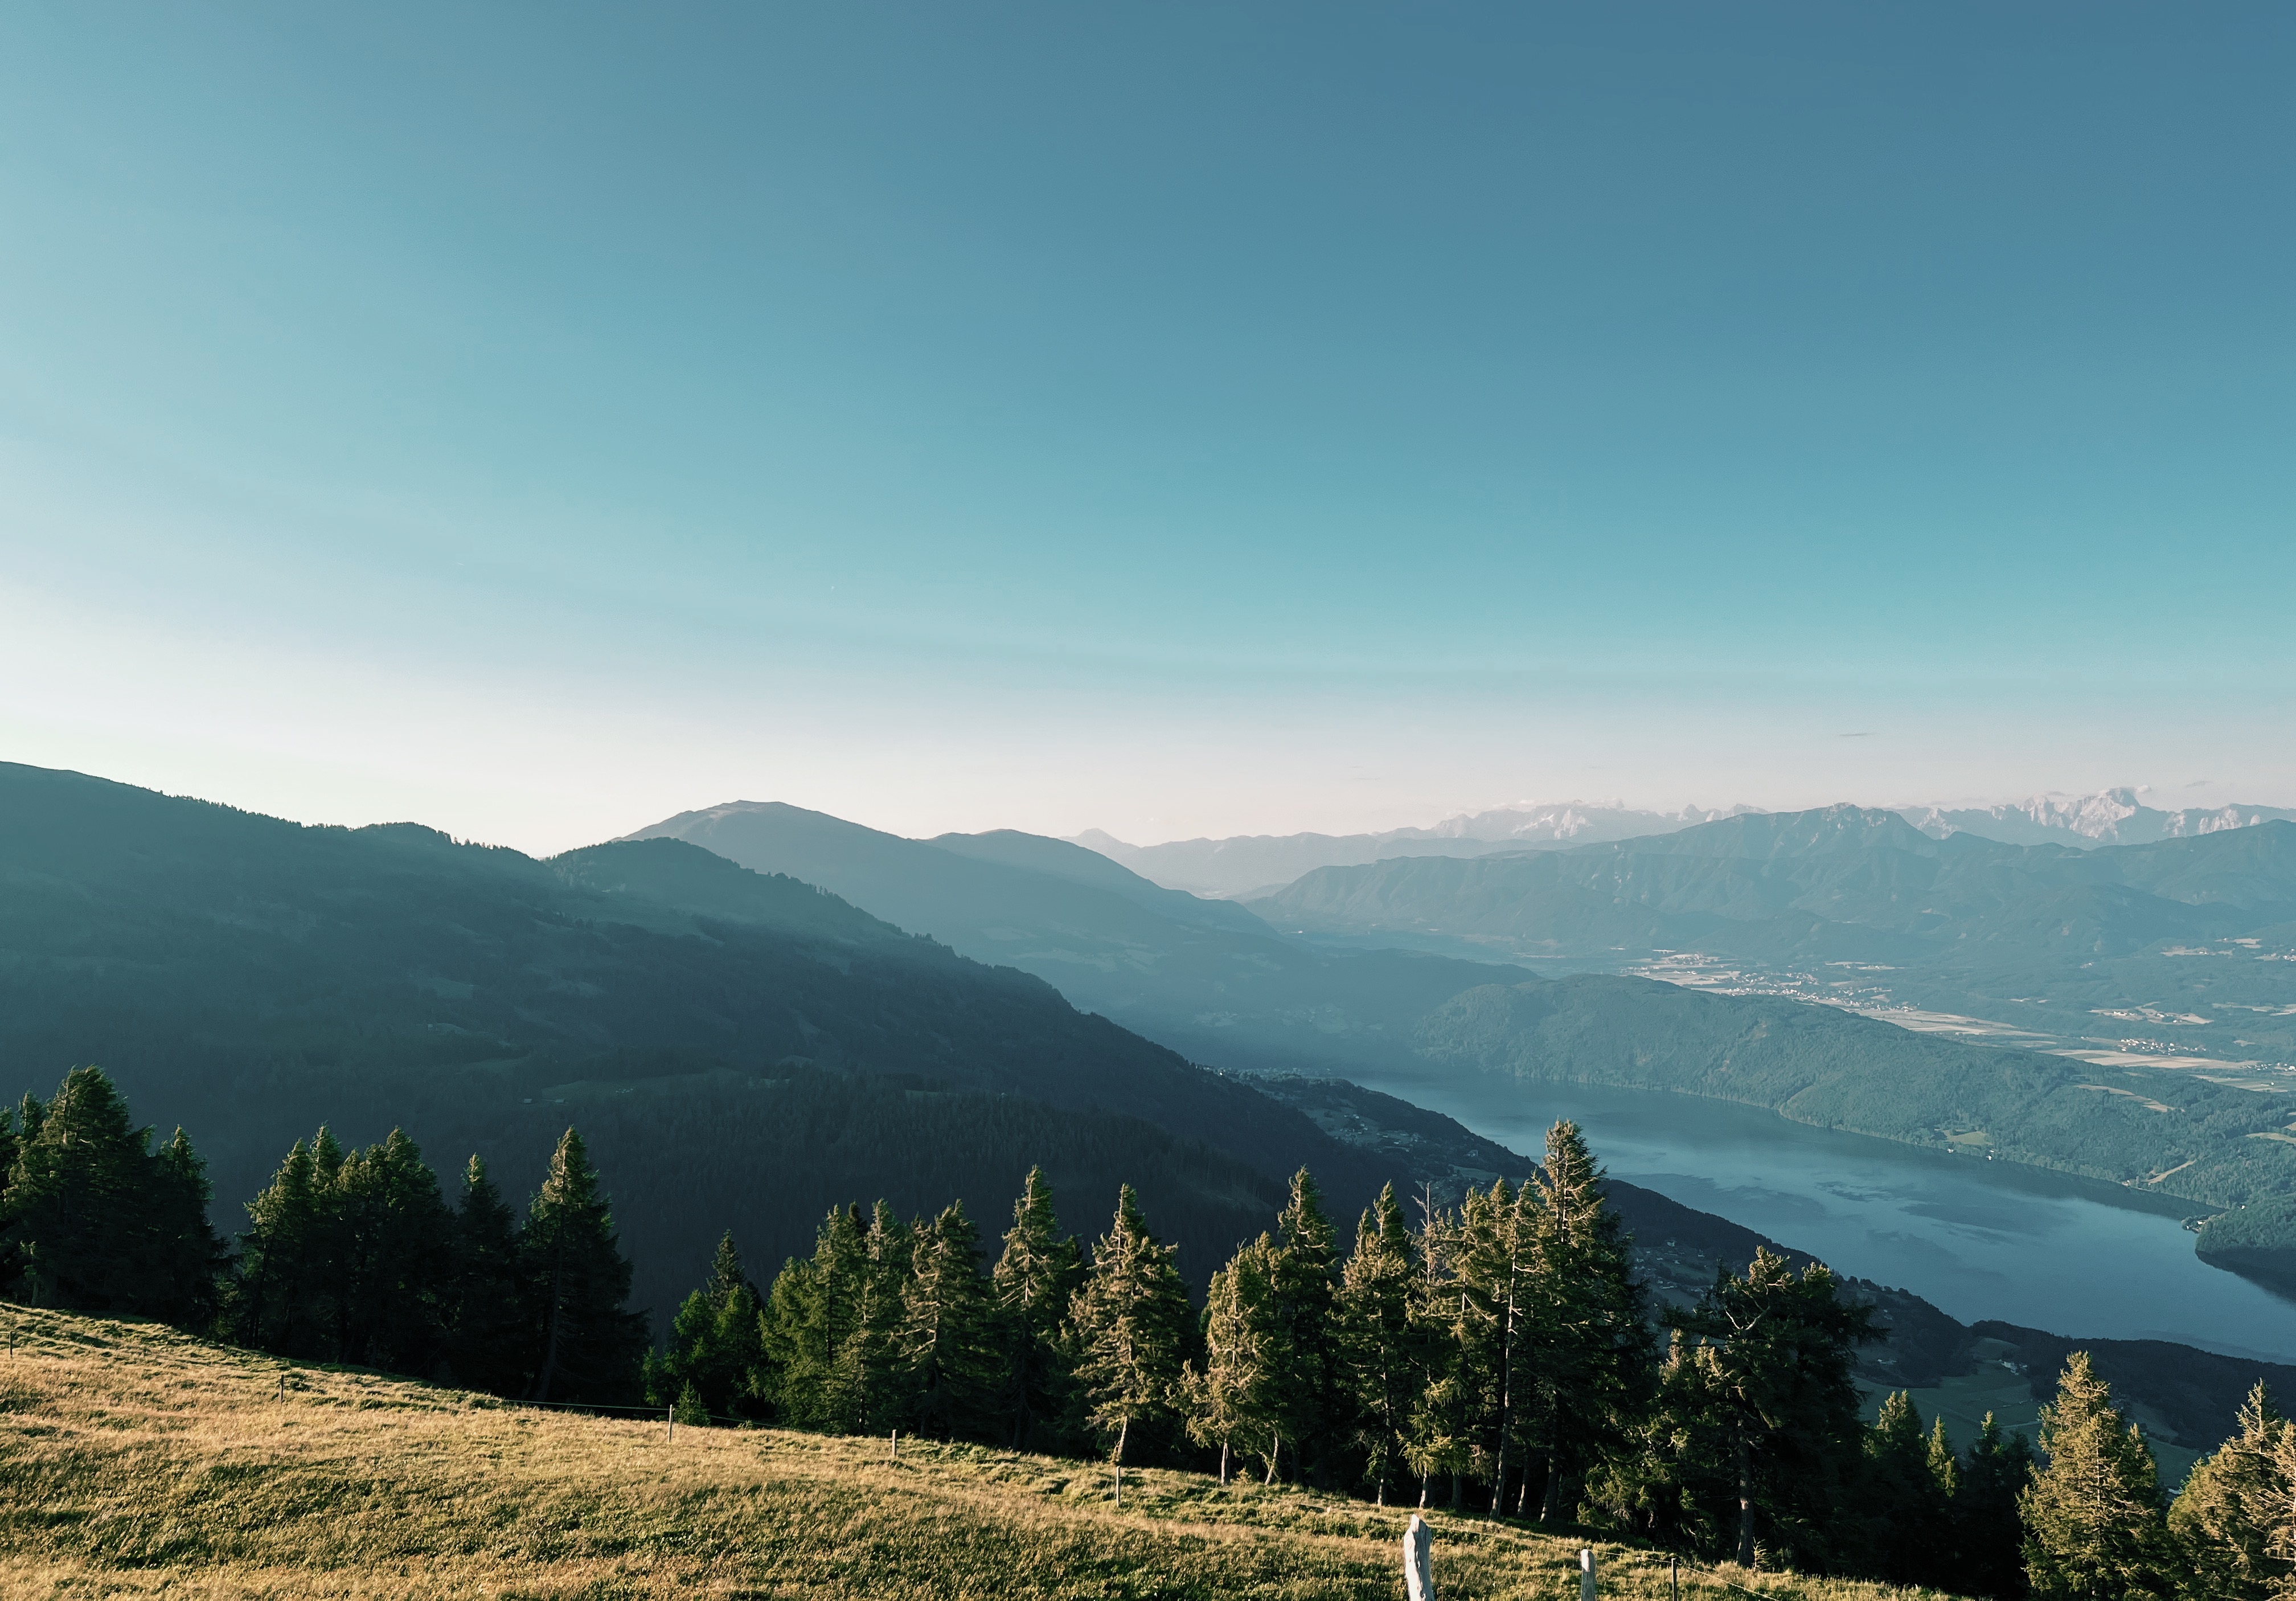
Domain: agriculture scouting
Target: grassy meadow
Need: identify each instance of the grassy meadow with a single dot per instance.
(135, 1461)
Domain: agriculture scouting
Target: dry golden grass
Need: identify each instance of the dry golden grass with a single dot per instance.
(136, 1462)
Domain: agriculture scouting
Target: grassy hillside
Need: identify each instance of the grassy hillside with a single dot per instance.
(135, 1461)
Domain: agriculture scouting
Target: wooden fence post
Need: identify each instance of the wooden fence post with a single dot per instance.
(1586, 1573)
(1419, 1560)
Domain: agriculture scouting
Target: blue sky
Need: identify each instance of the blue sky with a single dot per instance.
(1172, 420)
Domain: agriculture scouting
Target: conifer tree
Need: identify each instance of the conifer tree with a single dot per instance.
(1035, 1280)
(1496, 1249)
(869, 1379)
(577, 1281)
(810, 1314)
(1131, 1318)
(394, 1243)
(1988, 1533)
(946, 1343)
(491, 1343)
(278, 1304)
(1765, 1388)
(93, 1220)
(188, 1260)
(2093, 1528)
(1440, 1438)
(2235, 1517)
(1591, 1357)
(1377, 1346)
(1908, 1505)
(1232, 1397)
(1303, 1357)
(715, 1345)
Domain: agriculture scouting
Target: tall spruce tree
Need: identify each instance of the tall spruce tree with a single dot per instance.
(2093, 1527)
(1591, 1357)
(1234, 1395)
(1131, 1319)
(491, 1343)
(1304, 1288)
(576, 1285)
(947, 1342)
(714, 1346)
(1035, 1280)
(2235, 1516)
(278, 1304)
(95, 1220)
(1988, 1533)
(1377, 1342)
(870, 1381)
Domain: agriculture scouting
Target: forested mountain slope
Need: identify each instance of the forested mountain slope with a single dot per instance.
(1204, 977)
(746, 1062)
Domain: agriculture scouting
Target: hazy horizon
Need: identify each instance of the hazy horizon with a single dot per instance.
(1183, 423)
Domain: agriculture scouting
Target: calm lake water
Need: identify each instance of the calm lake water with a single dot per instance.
(1978, 1238)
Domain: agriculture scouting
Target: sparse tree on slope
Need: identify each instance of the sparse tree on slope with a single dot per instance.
(1764, 1394)
(2234, 1518)
(1131, 1320)
(1035, 1280)
(1234, 1396)
(2093, 1528)
(578, 1283)
(1377, 1343)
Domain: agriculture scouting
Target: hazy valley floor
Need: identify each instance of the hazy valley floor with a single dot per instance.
(135, 1461)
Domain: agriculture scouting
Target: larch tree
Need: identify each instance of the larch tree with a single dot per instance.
(2094, 1526)
(2234, 1518)
(1233, 1394)
(1131, 1319)
(1376, 1339)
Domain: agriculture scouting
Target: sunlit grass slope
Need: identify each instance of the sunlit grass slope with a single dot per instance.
(135, 1461)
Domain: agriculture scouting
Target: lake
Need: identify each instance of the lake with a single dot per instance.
(1976, 1237)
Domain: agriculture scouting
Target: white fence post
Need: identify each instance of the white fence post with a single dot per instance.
(1419, 1560)
(1586, 1573)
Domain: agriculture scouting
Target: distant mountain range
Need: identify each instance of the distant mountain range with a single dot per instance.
(1325, 990)
(1253, 866)
(744, 1049)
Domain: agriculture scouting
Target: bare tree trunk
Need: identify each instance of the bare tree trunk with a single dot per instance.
(1123, 1429)
(1274, 1452)
(1223, 1465)
(550, 1345)
(1422, 1488)
(1745, 1508)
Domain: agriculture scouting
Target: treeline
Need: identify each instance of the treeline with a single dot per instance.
(350, 1256)
(1497, 1358)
